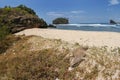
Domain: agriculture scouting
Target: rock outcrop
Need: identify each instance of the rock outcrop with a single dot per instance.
(20, 18)
(61, 21)
(113, 22)
(51, 26)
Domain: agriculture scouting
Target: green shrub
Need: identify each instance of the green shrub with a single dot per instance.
(4, 31)
(29, 10)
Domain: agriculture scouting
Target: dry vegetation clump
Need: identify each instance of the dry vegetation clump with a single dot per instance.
(19, 62)
(100, 64)
(37, 58)
(8, 41)
(38, 65)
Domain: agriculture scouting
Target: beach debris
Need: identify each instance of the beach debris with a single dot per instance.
(70, 68)
(57, 79)
(77, 56)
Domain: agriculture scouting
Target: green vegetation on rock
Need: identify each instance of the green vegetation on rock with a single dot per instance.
(29, 10)
(20, 18)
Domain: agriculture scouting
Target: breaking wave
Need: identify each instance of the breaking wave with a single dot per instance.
(92, 25)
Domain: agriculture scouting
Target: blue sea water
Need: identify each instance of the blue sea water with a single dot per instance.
(90, 27)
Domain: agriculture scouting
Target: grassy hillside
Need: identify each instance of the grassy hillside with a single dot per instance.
(37, 58)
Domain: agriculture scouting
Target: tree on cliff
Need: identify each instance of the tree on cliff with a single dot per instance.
(29, 10)
(60, 21)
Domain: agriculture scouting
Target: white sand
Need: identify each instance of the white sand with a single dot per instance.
(85, 38)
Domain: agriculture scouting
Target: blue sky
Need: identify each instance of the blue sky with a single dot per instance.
(78, 11)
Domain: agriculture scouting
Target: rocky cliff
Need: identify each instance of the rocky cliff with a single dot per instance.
(19, 18)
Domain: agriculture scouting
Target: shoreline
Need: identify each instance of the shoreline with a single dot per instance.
(85, 38)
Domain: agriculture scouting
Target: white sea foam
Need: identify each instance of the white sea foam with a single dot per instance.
(92, 25)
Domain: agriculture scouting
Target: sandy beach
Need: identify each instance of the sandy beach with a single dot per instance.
(85, 38)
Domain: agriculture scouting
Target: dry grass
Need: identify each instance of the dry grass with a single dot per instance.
(100, 64)
(21, 62)
(7, 42)
(37, 58)
(41, 65)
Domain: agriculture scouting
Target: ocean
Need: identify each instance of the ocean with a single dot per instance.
(90, 27)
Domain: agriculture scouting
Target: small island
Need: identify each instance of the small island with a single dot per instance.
(113, 22)
(61, 20)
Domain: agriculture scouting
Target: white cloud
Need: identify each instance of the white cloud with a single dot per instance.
(62, 14)
(55, 14)
(77, 12)
(114, 2)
